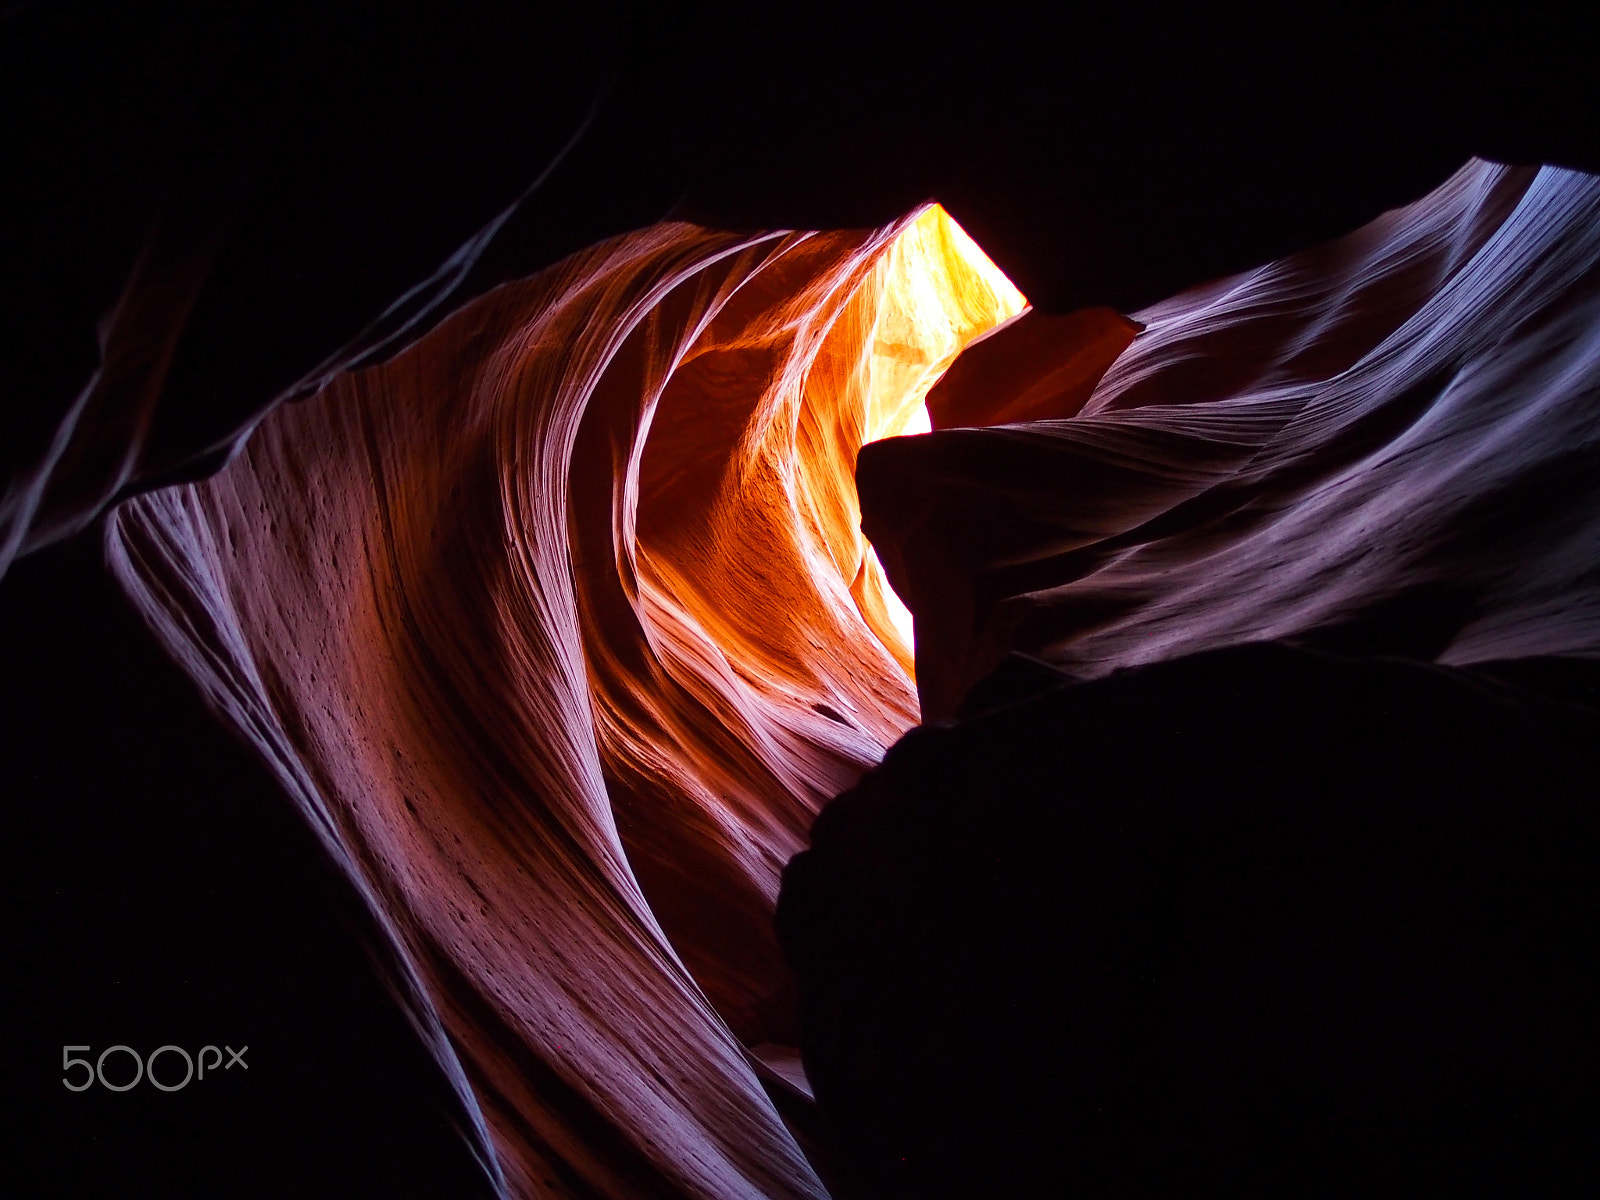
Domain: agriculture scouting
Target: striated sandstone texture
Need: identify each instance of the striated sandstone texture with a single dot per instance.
(1383, 444)
(560, 629)
(1248, 845)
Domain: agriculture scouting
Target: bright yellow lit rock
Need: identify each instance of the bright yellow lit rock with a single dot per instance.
(932, 293)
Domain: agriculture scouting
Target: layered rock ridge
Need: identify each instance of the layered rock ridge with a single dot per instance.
(1247, 845)
(560, 629)
(1383, 444)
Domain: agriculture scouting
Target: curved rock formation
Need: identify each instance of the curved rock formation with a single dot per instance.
(560, 628)
(1163, 906)
(1380, 444)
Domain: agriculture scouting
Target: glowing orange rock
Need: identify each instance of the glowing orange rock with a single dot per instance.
(560, 628)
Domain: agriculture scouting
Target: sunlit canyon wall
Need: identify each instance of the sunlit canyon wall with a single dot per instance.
(560, 627)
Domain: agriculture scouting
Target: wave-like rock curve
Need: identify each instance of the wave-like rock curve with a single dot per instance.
(560, 629)
(1385, 444)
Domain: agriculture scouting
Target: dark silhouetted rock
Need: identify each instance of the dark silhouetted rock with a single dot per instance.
(1255, 922)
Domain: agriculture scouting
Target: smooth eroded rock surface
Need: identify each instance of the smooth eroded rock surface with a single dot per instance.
(560, 629)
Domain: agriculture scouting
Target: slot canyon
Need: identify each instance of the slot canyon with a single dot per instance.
(980, 614)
